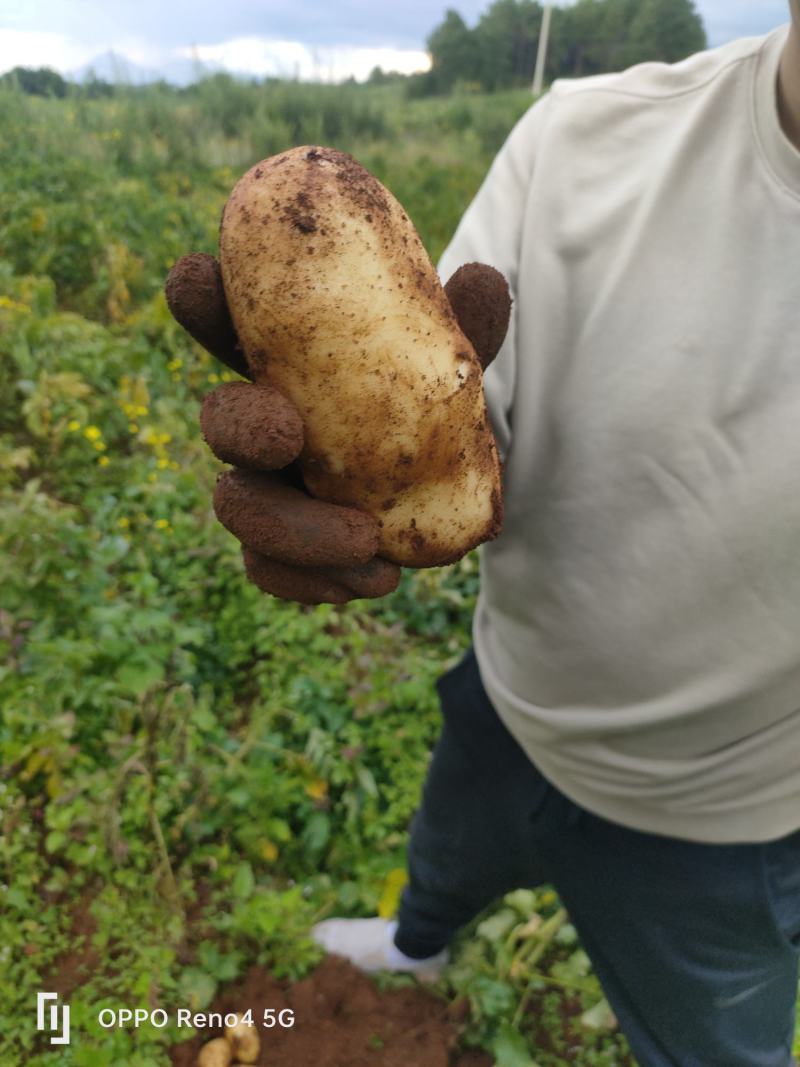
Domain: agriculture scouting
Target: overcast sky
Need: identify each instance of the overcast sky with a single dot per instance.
(311, 38)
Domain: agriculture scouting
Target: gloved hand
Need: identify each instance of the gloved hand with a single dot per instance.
(296, 547)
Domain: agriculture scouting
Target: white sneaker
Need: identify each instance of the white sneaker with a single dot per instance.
(369, 945)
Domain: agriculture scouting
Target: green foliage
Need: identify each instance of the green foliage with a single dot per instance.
(533, 999)
(193, 773)
(196, 769)
(454, 51)
(42, 81)
(589, 37)
(663, 29)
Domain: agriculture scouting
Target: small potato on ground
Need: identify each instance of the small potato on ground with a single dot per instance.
(244, 1040)
(216, 1053)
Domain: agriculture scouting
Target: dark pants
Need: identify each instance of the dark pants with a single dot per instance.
(696, 945)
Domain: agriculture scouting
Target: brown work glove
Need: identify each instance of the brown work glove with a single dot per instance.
(294, 546)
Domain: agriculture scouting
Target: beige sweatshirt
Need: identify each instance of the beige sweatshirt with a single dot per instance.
(638, 628)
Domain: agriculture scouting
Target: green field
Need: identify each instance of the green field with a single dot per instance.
(202, 769)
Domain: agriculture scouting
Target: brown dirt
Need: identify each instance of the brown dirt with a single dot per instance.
(342, 1020)
(75, 966)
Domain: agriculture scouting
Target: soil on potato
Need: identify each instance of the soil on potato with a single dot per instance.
(341, 1019)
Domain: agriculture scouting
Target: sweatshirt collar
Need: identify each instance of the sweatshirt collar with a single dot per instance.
(781, 155)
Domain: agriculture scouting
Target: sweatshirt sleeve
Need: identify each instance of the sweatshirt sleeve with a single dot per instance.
(491, 232)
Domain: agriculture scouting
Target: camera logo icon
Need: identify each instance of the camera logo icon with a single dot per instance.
(57, 1021)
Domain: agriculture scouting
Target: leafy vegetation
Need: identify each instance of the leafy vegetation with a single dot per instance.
(193, 772)
(588, 37)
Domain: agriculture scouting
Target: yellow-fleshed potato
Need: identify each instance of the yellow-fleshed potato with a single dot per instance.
(336, 303)
(244, 1040)
(216, 1053)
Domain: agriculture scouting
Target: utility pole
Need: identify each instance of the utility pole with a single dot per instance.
(541, 55)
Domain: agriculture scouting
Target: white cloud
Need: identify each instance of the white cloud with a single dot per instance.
(39, 48)
(257, 56)
(261, 56)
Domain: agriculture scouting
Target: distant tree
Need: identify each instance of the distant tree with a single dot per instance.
(36, 82)
(507, 38)
(588, 37)
(95, 87)
(454, 53)
(379, 76)
(419, 85)
(593, 36)
(667, 30)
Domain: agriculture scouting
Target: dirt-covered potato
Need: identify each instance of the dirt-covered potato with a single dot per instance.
(244, 1040)
(216, 1053)
(337, 304)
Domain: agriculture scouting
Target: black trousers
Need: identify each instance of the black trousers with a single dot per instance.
(696, 945)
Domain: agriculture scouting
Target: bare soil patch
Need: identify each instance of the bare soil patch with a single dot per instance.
(341, 1019)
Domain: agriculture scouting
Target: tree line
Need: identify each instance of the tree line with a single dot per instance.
(499, 52)
(589, 37)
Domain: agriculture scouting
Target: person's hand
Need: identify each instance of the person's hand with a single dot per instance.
(296, 547)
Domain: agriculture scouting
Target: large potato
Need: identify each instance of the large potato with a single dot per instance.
(337, 304)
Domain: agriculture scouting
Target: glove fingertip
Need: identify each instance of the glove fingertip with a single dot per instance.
(481, 302)
(292, 583)
(196, 298)
(376, 578)
(251, 426)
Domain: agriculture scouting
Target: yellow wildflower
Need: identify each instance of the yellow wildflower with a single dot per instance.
(103, 461)
(317, 789)
(162, 524)
(123, 522)
(73, 425)
(162, 463)
(268, 849)
(133, 427)
(100, 446)
(38, 220)
(13, 305)
(92, 433)
(213, 378)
